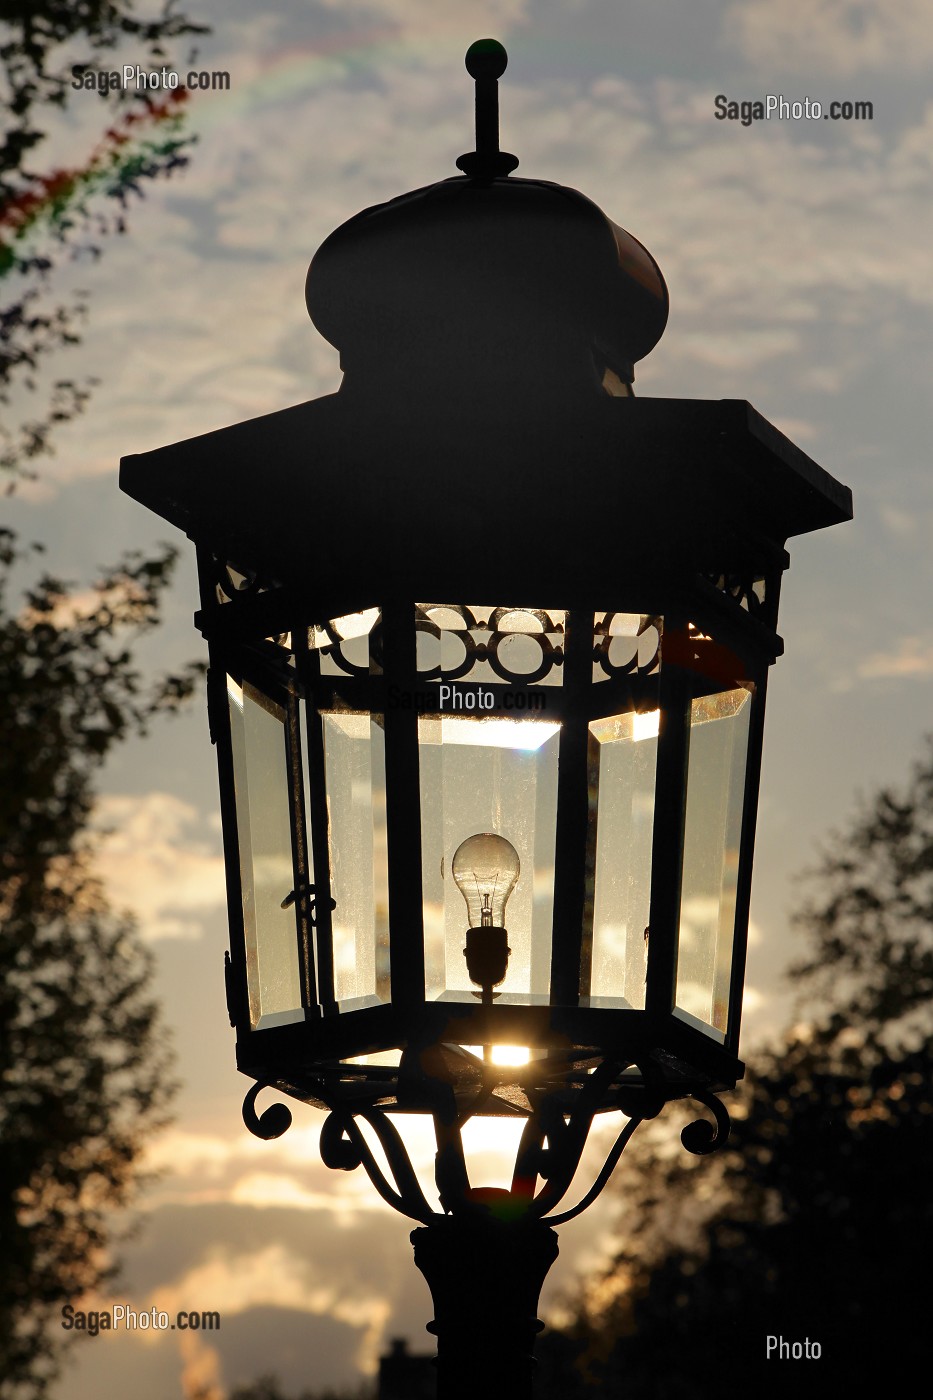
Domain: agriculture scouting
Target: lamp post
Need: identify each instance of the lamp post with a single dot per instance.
(488, 857)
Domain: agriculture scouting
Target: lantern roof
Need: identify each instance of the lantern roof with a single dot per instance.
(526, 269)
(478, 319)
(640, 488)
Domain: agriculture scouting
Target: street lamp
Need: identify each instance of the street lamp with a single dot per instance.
(488, 857)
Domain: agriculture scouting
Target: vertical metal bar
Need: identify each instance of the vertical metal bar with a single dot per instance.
(667, 847)
(572, 813)
(296, 804)
(320, 853)
(219, 720)
(593, 757)
(743, 893)
(403, 808)
(487, 117)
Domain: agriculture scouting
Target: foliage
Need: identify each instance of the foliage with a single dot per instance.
(816, 1220)
(40, 42)
(83, 1062)
(869, 924)
(34, 81)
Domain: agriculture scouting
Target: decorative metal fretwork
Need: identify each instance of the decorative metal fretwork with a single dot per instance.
(626, 644)
(233, 585)
(350, 645)
(518, 646)
(747, 589)
(559, 1109)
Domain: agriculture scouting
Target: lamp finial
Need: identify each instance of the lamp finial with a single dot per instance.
(486, 61)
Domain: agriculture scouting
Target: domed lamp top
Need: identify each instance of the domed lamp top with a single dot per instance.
(472, 274)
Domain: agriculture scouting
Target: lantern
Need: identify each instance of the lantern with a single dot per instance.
(489, 645)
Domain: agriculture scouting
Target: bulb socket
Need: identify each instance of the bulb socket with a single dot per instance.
(487, 956)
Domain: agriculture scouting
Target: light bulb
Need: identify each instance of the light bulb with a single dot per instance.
(485, 870)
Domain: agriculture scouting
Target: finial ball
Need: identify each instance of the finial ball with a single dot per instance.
(486, 59)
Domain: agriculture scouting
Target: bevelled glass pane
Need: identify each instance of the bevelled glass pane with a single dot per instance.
(623, 758)
(494, 776)
(719, 729)
(260, 772)
(354, 764)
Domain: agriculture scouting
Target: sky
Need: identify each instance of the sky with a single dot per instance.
(797, 258)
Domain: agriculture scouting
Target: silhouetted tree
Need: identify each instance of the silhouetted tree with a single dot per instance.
(48, 216)
(816, 1221)
(83, 1063)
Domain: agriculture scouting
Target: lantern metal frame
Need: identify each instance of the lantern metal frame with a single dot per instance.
(714, 576)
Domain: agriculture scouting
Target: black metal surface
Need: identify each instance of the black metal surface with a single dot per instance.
(559, 1113)
(668, 839)
(486, 61)
(743, 892)
(403, 812)
(702, 478)
(304, 896)
(235, 968)
(572, 815)
(485, 1278)
(308, 665)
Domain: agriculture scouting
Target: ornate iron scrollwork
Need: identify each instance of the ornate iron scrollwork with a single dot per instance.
(332, 637)
(557, 1127)
(635, 652)
(232, 584)
(701, 1138)
(747, 589)
(273, 1122)
(486, 636)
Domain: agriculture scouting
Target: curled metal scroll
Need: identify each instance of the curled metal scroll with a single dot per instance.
(550, 1148)
(618, 1147)
(343, 1148)
(701, 1137)
(273, 1122)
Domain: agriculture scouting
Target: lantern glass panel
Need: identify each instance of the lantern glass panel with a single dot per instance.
(719, 733)
(261, 781)
(622, 758)
(354, 764)
(478, 776)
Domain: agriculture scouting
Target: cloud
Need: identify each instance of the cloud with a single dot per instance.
(155, 861)
(427, 19)
(202, 1377)
(839, 37)
(778, 244)
(328, 1287)
(912, 657)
